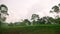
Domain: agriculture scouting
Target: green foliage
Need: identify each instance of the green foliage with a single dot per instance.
(3, 13)
(23, 24)
(27, 22)
(34, 16)
(41, 29)
(56, 9)
(59, 4)
(11, 24)
(57, 20)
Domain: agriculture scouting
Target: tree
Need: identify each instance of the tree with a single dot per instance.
(50, 20)
(59, 4)
(46, 20)
(56, 9)
(3, 13)
(43, 20)
(57, 21)
(27, 22)
(11, 24)
(34, 17)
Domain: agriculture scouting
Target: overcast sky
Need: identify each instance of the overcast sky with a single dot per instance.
(21, 9)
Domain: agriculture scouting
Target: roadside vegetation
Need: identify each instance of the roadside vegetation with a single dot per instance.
(36, 25)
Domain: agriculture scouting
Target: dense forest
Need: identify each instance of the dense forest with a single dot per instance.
(35, 19)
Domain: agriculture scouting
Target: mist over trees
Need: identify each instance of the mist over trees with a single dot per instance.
(35, 19)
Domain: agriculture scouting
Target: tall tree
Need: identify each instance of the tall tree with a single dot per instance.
(56, 9)
(3, 13)
(34, 17)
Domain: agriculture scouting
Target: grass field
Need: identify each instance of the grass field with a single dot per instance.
(35, 29)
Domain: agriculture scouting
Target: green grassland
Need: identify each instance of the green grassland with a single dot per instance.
(35, 29)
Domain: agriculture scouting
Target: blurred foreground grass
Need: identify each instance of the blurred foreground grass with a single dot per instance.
(35, 29)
